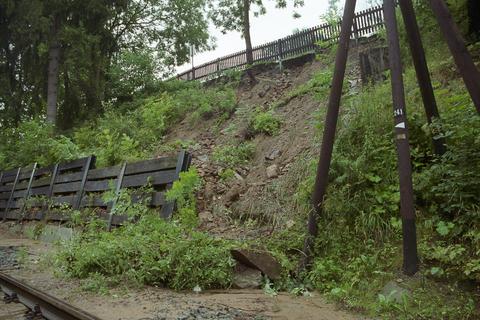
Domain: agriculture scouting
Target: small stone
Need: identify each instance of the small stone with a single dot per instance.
(203, 158)
(238, 177)
(273, 155)
(272, 171)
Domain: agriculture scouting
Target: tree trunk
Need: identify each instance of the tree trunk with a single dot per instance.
(53, 71)
(474, 15)
(248, 39)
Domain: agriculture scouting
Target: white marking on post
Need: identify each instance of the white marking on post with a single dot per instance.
(400, 125)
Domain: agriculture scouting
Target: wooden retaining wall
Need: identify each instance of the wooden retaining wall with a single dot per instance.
(33, 193)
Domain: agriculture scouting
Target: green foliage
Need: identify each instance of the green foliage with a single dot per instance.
(230, 156)
(130, 203)
(265, 122)
(183, 192)
(151, 251)
(111, 51)
(132, 132)
(34, 141)
(361, 251)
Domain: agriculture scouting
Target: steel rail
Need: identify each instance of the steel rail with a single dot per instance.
(40, 303)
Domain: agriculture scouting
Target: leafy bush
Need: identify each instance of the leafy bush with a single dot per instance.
(34, 141)
(183, 192)
(230, 156)
(265, 122)
(152, 251)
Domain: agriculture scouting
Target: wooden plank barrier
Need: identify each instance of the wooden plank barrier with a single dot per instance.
(33, 193)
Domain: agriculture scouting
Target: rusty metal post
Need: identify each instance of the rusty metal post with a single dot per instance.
(459, 50)
(421, 68)
(407, 208)
(329, 131)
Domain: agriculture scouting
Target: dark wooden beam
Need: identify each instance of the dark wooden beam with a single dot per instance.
(407, 208)
(323, 168)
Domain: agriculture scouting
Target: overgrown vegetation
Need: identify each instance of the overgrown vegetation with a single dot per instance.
(134, 131)
(151, 250)
(264, 122)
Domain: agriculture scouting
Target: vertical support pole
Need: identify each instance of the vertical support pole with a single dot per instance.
(280, 54)
(329, 131)
(407, 209)
(458, 48)
(168, 207)
(218, 65)
(355, 30)
(46, 205)
(29, 188)
(421, 68)
(90, 162)
(111, 206)
(10, 198)
(193, 73)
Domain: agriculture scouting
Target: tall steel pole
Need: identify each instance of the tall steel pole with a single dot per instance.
(421, 68)
(329, 131)
(407, 209)
(459, 50)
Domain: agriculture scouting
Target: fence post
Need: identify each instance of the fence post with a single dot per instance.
(14, 186)
(218, 65)
(112, 205)
(355, 30)
(46, 205)
(89, 163)
(27, 192)
(280, 54)
(193, 73)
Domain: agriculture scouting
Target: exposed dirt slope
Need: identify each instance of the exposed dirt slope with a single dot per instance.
(252, 194)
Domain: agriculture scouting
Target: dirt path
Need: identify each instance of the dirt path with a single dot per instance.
(158, 303)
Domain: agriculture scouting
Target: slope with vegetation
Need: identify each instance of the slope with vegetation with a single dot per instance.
(255, 150)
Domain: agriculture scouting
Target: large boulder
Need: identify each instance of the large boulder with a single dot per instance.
(259, 260)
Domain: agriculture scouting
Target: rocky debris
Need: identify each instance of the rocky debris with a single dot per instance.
(272, 171)
(273, 155)
(246, 278)
(232, 195)
(8, 258)
(260, 260)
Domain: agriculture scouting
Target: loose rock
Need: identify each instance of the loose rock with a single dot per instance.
(272, 171)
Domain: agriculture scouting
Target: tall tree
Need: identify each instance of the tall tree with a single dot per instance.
(234, 15)
(60, 52)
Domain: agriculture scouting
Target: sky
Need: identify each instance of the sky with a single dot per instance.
(277, 23)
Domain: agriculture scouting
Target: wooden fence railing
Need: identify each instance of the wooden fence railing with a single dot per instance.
(33, 193)
(366, 22)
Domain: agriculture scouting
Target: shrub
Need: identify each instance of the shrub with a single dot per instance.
(265, 122)
(152, 251)
(183, 192)
(34, 141)
(230, 156)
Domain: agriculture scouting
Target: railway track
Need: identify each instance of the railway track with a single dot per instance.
(40, 304)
